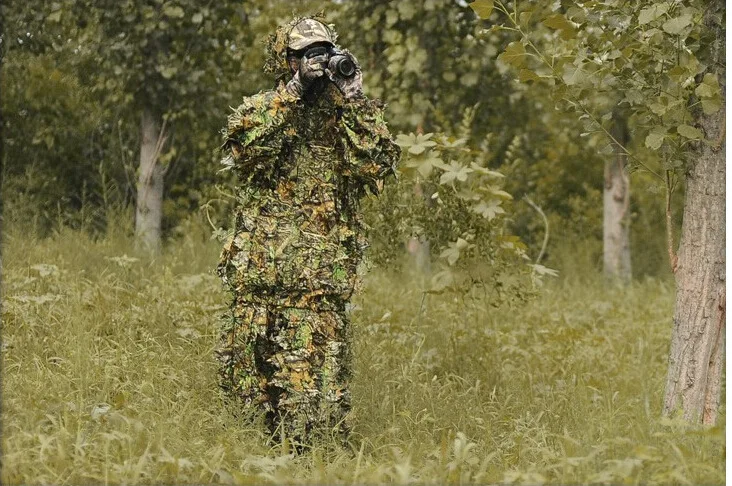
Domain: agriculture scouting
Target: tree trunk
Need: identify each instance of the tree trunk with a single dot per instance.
(149, 212)
(616, 201)
(696, 360)
(419, 247)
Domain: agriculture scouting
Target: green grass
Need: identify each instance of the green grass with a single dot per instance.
(108, 376)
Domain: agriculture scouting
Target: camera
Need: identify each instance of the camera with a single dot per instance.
(339, 63)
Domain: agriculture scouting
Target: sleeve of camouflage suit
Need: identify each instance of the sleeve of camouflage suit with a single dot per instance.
(370, 153)
(257, 130)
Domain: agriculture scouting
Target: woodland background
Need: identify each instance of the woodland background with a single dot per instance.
(516, 319)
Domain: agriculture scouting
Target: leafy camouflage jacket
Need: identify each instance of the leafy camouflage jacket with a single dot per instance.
(303, 166)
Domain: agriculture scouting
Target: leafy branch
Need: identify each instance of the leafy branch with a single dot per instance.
(573, 99)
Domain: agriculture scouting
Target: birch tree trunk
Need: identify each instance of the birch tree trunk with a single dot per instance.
(616, 201)
(696, 360)
(419, 247)
(149, 213)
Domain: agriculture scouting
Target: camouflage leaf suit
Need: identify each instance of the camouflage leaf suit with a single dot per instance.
(303, 165)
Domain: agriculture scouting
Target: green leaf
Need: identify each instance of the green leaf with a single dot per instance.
(454, 171)
(469, 79)
(483, 170)
(413, 65)
(420, 143)
(576, 14)
(449, 76)
(425, 162)
(392, 17)
(690, 132)
(168, 71)
(407, 10)
(711, 106)
(406, 141)
(416, 149)
(678, 73)
(635, 97)
(657, 108)
(709, 87)
(496, 191)
(654, 140)
(704, 91)
(557, 22)
(452, 252)
(54, 16)
(197, 18)
(489, 209)
(573, 75)
(526, 75)
(514, 55)
(560, 22)
(649, 14)
(173, 11)
(524, 18)
(677, 25)
(482, 8)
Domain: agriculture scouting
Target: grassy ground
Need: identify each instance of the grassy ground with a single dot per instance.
(108, 377)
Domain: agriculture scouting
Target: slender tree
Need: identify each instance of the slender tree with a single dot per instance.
(168, 61)
(616, 207)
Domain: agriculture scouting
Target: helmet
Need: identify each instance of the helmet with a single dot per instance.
(308, 31)
(300, 32)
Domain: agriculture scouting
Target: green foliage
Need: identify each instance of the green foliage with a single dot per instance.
(162, 56)
(482, 8)
(637, 61)
(108, 375)
(427, 61)
(180, 61)
(446, 195)
(56, 166)
(647, 59)
(108, 370)
(77, 74)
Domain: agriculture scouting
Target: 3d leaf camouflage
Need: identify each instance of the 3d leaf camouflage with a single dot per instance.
(303, 166)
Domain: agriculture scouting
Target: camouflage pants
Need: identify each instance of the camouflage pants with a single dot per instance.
(292, 363)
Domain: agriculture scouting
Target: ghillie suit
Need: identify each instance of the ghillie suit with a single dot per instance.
(303, 165)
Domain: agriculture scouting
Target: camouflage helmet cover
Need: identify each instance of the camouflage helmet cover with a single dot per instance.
(313, 30)
(308, 31)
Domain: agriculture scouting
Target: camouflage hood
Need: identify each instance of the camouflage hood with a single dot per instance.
(276, 46)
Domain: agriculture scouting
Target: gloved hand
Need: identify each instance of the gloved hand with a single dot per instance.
(352, 87)
(310, 70)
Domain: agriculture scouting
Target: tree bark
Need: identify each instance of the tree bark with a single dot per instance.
(696, 360)
(149, 213)
(616, 201)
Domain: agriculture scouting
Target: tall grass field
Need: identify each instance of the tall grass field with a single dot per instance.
(108, 376)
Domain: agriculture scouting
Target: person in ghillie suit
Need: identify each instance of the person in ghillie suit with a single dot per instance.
(305, 154)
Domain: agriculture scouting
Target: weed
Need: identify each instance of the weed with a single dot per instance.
(109, 376)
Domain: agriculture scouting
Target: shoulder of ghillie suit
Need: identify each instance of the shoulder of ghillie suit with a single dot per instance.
(260, 121)
(276, 46)
(258, 109)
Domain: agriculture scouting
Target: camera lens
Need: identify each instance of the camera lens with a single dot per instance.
(346, 68)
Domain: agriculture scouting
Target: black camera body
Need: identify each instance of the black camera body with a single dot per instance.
(338, 63)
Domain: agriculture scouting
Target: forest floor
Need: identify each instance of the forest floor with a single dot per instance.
(108, 376)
